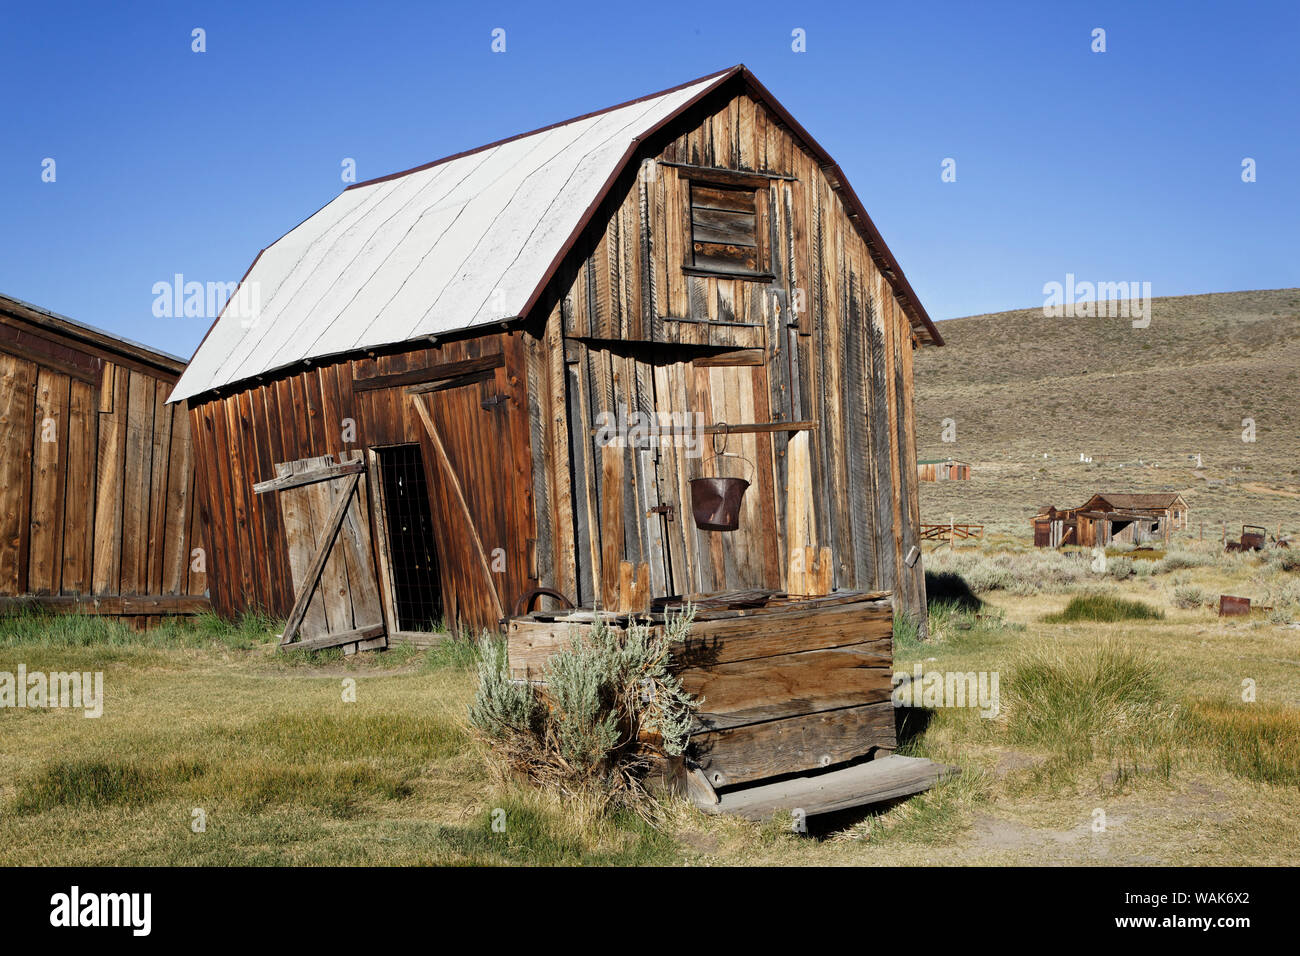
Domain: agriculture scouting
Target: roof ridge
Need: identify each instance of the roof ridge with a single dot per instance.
(718, 75)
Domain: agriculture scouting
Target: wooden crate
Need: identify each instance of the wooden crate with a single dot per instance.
(788, 684)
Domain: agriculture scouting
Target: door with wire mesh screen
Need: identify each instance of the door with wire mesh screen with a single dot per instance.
(411, 557)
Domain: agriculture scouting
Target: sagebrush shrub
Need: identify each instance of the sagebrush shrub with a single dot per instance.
(608, 707)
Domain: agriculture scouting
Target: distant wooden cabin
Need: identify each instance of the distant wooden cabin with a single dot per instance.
(943, 469)
(409, 428)
(1112, 518)
(96, 472)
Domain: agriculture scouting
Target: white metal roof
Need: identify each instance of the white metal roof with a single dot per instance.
(456, 244)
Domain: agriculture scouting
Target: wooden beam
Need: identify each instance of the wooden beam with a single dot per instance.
(731, 359)
(332, 525)
(875, 781)
(324, 473)
(727, 177)
(454, 480)
(44, 351)
(62, 331)
(430, 373)
(336, 639)
(111, 605)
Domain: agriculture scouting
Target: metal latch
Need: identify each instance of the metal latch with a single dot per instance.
(667, 511)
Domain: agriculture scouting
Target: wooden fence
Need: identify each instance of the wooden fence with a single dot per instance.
(950, 531)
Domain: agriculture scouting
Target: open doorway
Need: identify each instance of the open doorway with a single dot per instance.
(409, 559)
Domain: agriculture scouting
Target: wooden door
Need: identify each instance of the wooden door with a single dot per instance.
(323, 505)
(476, 487)
(731, 399)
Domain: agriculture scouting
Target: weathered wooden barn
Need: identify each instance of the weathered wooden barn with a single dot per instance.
(1112, 518)
(96, 473)
(943, 469)
(502, 371)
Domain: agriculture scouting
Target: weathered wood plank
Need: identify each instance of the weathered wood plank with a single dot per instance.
(875, 781)
(324, 547)
(756, 751)
(112, 605)
(767, 688)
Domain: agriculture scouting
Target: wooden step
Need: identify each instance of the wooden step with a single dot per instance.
(875, 781)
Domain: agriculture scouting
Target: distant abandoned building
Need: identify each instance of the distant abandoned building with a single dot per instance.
(1119, 518)
(943, 469)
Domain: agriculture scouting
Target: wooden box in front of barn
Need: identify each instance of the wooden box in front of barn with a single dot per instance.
(787, 684)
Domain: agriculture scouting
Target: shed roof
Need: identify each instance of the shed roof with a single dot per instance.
(462, 242)
(87, 336)
(1128, 502)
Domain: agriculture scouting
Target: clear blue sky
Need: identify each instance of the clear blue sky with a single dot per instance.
(1123, 165)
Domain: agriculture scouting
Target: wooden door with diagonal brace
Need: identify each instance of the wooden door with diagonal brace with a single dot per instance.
(323, 503)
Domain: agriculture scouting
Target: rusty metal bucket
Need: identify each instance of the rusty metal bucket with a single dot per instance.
(715, 502)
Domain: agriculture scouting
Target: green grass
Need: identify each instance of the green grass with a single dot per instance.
(1109, 702)
(1105, 608)
(454, 653)
(37, 628)
(98, 783)
(290, 774)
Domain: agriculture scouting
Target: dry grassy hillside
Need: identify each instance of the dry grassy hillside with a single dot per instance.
(1141, 403)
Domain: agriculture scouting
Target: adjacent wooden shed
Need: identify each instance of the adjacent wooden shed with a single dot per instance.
(943, 469)
(502, 372)
(96, 472)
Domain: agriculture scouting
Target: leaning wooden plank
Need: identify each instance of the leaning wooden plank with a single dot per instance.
(454, 481)
(324, 545)
(336, 640)
(863, 784)
(777, 747)
(323, 473)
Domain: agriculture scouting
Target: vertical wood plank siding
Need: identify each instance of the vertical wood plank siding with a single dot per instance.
(837, 347)
(96, 472)
(485, 427)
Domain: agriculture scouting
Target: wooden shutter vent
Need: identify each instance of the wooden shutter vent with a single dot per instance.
(724, 228)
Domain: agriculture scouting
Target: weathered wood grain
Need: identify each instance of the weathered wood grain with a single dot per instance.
(775, 747)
